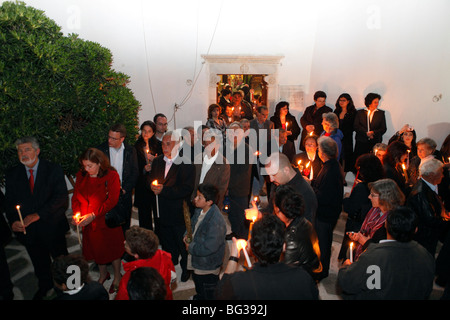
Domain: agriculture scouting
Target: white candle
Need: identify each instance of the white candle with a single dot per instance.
(247, 258)
(368, 121)
(77, 218)
(351, 252)
(21, 220)
(155, 183)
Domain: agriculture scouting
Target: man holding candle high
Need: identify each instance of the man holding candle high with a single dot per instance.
(40, 189)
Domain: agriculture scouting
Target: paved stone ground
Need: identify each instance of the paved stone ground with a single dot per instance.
(25, 283)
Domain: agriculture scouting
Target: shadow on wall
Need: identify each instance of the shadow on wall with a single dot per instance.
(438, 132)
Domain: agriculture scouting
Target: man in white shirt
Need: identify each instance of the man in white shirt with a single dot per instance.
(123, 158)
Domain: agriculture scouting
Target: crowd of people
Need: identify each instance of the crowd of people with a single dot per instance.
(186, 183)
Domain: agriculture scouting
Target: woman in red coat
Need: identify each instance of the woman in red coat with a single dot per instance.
(96, 192)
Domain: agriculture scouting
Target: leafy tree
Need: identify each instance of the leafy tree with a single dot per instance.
(60, 89)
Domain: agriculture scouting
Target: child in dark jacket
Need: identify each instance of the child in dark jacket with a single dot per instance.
(207, 246)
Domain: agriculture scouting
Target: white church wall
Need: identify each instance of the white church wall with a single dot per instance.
(399, 49)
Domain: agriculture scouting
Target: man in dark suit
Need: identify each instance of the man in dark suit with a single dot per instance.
(369, 125)
(123, 158)
(212, 167)
(174, 185)
(40, 189)
(427, 205)
(241, 157)
(329, 189)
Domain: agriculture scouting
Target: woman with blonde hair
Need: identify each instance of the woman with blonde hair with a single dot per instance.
(385, 196)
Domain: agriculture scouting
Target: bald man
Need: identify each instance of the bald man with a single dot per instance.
(281, 172)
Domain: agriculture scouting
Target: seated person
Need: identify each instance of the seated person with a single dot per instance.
(401, 268)
(71, 286)
(142, 244)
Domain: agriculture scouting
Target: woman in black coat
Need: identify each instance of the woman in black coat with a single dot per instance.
(282, 117)
(395, 157)
(346, 112)
(147, 148)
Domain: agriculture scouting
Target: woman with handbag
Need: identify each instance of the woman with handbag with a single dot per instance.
(96, 192)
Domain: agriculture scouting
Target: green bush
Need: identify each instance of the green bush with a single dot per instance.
(60, 89)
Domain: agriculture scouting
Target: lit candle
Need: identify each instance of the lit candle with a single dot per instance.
(351, 252)
(311, 133)
(287, 123)
(77, 218)
(21, 220)
(252, 214)
(147, 153)
(242, 244)
(155, 183)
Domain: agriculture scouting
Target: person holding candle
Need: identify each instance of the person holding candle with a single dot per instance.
(394, 163)
(311, 120)
(385, 196)
(309, 155)
(331, 129)
(207, 247)
(175, 184)
(302, 245)
(404, 269)
(240, 108)
(281, 172)
(39, 188)
(357, 203)
(282, 118)
(379, 150)
(268, 279)
(369, 125)
(96, 192)
(147, 148)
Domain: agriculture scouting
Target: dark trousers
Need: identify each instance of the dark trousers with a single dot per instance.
(236, 215)
(324, 232)
(6, 286)
(171, 239)
(205, 286)
(148, 215)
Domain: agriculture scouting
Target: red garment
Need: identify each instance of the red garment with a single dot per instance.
(100, 243)
(373, 221)
(161, 261)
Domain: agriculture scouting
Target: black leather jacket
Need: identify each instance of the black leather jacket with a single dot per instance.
(302, 246)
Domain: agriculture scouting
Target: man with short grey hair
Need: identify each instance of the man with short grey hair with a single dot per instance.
(38, 188)
(429, 208)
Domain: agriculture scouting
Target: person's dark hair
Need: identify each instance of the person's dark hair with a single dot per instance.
(211, 108)
(401, 224)
(96, 156)
(319, 94)
(146, 283)
(267, 239)
(118, 127)
(370, 168)
(445, 149)
(156, 116)
(350, 107)
(141, 241)
(260, 108)
(370, 97)
(394, 152)
(225, 92)
(209, 191)
(149, 123)
(313, 136)
(61, 263)
(280, 105)
(289, 201)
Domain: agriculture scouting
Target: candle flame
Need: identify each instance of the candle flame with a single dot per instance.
(351, 245)
(257, 153)
(241, 244)
(155, 182)
(311, 133)
(287, 123)
(17, 207)
(307, 165)
(299, 162)
(403, 166)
